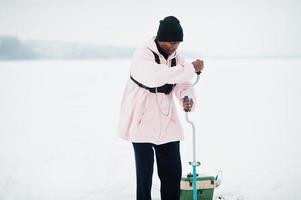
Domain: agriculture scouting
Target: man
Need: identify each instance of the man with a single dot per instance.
(148, 116)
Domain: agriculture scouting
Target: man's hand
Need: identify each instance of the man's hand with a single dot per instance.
(198, 65)
(187, 105)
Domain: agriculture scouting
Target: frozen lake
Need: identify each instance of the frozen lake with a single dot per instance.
(58, 124)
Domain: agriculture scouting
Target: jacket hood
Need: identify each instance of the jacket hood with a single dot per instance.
(152, 46)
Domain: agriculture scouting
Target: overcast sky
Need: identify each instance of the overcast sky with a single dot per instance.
(210, 27)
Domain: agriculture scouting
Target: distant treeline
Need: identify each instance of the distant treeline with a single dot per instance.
(12, 48)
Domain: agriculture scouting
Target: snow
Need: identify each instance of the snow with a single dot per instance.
(58, 124)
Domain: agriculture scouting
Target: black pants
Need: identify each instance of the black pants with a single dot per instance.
(169, 169)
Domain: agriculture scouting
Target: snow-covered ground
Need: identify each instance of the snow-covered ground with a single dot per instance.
(58, 124)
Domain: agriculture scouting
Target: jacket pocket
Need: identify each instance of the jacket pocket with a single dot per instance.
(149, 123)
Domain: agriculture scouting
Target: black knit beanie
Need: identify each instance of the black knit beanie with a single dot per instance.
(170, 30)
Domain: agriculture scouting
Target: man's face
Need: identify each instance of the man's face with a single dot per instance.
(169, 47)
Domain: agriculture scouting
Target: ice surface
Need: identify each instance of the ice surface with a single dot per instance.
(58, 124)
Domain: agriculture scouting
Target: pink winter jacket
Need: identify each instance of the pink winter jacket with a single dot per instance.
(152, 117)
